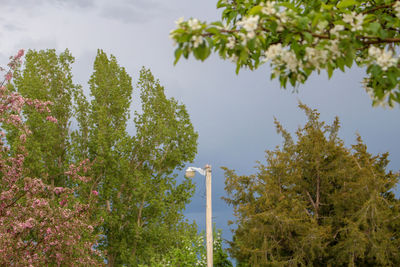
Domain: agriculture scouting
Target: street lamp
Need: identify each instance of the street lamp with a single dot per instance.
(190, 172)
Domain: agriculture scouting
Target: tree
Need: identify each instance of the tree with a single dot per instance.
(40, 224)
(301, 37)
(191, 251)
(139, 200)
(47, 77)
(316, 203)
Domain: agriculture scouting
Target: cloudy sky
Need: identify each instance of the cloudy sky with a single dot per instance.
(233, 114)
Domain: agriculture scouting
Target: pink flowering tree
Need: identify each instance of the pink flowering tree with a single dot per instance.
(40, 224)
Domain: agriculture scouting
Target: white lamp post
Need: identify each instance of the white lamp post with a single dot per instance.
(190, 172)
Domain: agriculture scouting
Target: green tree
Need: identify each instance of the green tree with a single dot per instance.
(139, 200)
(316, 203)
(40, 224)
(302, 37)
(191, 251)
(47, 76)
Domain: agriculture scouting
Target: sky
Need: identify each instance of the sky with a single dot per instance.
(233, 114)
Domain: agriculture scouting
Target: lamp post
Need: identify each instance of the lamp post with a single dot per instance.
(190, 172)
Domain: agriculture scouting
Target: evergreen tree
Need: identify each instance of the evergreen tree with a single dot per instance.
(316, 203)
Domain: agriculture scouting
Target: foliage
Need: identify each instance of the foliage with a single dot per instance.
(47, 77)
(301, 37)
(192, 252)
(40, 225)
(138, 196)
(138, 199)
(316, 203)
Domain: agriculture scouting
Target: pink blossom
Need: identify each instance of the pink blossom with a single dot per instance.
(57, 227)
(52, 119)
(20, 53)
(23, 137)
(63, 202)
(94, 192)
(58, 190)
(8, 76)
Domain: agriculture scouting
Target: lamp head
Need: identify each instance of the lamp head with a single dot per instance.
(189, 173)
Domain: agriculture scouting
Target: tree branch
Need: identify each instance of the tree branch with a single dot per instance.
(377, 8)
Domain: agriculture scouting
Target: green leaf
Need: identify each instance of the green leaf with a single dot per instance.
(255, 10)
(329, 70)
(340, 63)
(178, 53)
(201, 52)
(346, 3)
(308, 37)
(349, 59)
(213, 30)
(327, 7)
(374, 27)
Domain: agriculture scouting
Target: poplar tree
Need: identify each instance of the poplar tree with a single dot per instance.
(139, 200)
(47, 77)
(316, 203)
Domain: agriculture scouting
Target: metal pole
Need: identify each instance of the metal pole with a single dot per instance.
(209, 231)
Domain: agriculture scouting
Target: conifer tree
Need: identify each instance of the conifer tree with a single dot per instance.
(316, 203)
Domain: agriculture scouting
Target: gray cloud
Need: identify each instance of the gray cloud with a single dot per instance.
(125, 14)
(133, 11)
(38, 3)
(13, 28)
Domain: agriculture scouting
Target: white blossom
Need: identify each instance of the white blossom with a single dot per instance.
(250, 24)
(197, 40)
(234, 58)
(359, 20)
(268, 8)
(354, 20)
(172, 35)
(334, 49)
(396, 8)
(231, 42)
(290, 59)
(273, 51)
(376, 101)
(386, 60)
(374, 51)
(322, 25)
(348, 18)
(194, 24)
(316, 57)
(244, 38)
(335, 30)
(179, 21)
(283, 17)
(383, 58)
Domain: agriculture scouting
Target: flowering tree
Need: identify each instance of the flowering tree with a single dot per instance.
(301, 37)
(40, 224)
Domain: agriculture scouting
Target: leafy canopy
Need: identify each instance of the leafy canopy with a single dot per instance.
(133, 189)
(302, 37)
(40, 224)
(316, 203)
(140, 200)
